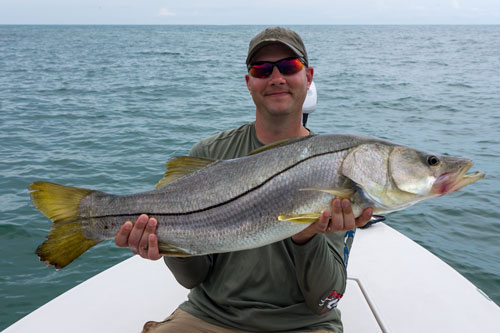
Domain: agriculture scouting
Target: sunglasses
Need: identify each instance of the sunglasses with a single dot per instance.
(264, 69)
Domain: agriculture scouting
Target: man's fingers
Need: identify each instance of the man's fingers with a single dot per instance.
(349, 219)
(121, 238)
(337, 222)
(144, 241)
(364, 217)
(140, 238)
(322, 224)
(153, 252)
(343, 217)
(136, 234)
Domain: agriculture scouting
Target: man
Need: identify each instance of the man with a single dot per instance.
(291, 285)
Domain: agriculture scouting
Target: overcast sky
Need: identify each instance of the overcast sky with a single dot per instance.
(267, 12)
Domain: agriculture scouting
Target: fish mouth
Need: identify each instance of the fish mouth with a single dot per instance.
(450, 182)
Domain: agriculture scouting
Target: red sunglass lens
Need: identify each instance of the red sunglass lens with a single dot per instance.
(289, 66)
(286, 67)
(261, 70)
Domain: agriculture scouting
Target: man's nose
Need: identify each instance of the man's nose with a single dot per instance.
(276, 74)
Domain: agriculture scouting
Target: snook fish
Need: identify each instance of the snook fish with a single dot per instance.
(205, 206)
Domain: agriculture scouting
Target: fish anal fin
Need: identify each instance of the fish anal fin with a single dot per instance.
(300, 218)
(172, 251)
(343, 193)
(181, 166)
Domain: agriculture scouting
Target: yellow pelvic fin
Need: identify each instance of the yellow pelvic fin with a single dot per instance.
(172, 251)
(65, 241)
(181, 166)
(336, 192)
(301, 218)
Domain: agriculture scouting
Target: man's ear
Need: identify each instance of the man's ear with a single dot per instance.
(247, 79)
(309, 76)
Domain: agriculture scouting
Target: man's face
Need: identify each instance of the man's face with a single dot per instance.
(278, 94)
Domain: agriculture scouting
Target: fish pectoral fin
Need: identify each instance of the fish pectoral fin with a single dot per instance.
(300, 218)
(172, 251)
(181, 166)
(343, 193)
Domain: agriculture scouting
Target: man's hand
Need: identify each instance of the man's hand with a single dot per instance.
(140, 238)
(340, 219)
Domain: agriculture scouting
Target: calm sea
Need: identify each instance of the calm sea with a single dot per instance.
(104, 107)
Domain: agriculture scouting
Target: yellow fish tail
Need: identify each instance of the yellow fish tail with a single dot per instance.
(65, 241)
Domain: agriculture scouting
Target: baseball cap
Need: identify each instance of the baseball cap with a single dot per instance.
(280, 35)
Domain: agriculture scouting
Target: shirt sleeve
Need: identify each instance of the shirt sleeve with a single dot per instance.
(199, 150)
(190, 271)
(321, 271)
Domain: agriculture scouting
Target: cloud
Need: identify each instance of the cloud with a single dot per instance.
(456, 4)
(165, 12)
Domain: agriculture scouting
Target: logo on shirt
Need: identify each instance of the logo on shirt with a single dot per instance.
(331, 301)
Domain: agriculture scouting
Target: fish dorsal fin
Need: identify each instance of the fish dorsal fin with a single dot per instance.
(180, 166)
(279, 143)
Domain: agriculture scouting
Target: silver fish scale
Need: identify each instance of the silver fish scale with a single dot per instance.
(234, 204)
(252, 220)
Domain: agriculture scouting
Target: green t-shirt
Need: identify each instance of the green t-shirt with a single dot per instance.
(281, 287)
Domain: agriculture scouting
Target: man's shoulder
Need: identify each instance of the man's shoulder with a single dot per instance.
(221, 144)
(224, 137)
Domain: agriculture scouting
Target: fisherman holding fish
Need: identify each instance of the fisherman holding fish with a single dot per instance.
(290, 285)
(250, 221)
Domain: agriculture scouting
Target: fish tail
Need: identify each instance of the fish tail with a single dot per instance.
(65, 241)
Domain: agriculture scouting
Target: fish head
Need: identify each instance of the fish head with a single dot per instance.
(393, 177)
(429, 175)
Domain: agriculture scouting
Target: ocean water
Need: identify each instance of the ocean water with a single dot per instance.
(104, 107)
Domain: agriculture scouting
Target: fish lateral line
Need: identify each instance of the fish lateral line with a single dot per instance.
(173, 214)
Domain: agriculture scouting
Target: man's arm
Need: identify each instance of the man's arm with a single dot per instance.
(319, 263)
(191, 271)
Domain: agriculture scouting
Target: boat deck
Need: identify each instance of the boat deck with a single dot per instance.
(394, 285)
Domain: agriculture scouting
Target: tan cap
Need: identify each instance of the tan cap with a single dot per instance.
(277, 35)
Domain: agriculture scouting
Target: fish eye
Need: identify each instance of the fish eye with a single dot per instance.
(433, 160)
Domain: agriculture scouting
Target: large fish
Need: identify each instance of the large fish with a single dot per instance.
(205, 206)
